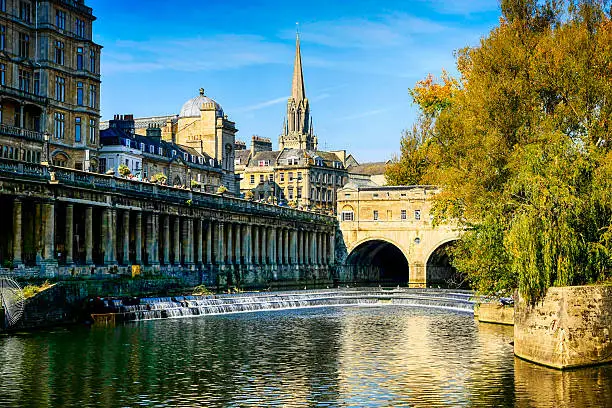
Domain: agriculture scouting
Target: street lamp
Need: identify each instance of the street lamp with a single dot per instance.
(45, 160)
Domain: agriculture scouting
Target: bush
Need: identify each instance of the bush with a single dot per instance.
(160, 178)
(124, 170)
(221, 189)
(249, 195)
(32, 290)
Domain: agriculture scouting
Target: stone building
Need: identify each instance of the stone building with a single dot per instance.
(49, 83)
(149, 156)
(201, 128)
(368, 174)
(298, 173)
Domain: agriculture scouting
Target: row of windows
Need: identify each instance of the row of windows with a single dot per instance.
(61, 19)
(350, 216)
(59, 125)
(59, 56)
(15, 153)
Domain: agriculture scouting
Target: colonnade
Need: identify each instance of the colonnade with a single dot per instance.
(66, 234)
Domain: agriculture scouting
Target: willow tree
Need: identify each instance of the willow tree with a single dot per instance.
(521, 144)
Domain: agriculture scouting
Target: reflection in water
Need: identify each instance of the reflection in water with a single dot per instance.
(358, 356)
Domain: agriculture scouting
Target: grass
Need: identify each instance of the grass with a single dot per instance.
(32, 290)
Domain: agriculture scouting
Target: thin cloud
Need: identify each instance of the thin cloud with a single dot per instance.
(365, 114)
(263, 105)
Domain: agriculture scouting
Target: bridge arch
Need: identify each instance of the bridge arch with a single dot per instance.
(377, 260)
(439, 270)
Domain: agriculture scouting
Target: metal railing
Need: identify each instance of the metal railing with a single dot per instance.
(21, 132)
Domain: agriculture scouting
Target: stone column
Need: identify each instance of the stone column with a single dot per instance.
(238, 242)
(332, 248)
(294, 249)
(126, 238)
(279, 246)
(220, 252)
(209, 243)
(246, 243)
(106, 235)
(271, 240)
(184, 234)
(176, 237)
(49, 235)
(324, 258)
(155, 238)
(198, 241)
(138, 239)
(319, 248)
(256, 252)
(69, 235)
(89, 235)
(229, 235)
(38, 233)
(148, 238)
(286, 244)
(113, 229)
(264, 245)
(17, 233)
(166, 240)
(190, 241)
(311, 255)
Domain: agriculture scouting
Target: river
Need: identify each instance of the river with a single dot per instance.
(366, 356)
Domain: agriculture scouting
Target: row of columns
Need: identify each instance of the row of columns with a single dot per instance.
(175, 240)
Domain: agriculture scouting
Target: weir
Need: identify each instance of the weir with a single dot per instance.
(192, 306)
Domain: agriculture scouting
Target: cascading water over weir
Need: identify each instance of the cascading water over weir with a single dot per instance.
(118, 310)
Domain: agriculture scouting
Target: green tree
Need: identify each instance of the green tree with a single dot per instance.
(521, 146)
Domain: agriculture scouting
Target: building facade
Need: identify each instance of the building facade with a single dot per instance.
(200, 130)
(298, 173)
(49, 83)
(150, 158)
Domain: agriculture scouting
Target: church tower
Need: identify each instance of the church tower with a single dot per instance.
(297, 130)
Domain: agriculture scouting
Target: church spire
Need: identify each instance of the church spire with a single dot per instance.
(297, 90)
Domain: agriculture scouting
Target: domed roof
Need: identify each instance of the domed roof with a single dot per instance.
(191, 108)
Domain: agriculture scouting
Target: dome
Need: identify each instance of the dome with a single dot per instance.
(191, 108)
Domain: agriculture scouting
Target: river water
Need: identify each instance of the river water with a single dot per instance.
(327, 357)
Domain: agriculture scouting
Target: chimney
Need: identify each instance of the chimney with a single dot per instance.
(154, 132)
(239, 145)
(125, 123)
(260, 144)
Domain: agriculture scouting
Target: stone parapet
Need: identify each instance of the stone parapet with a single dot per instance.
(495, 313)
(570, 327)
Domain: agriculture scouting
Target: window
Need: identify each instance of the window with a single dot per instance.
(2, 5)
(25, 11)
(160, 151)
(37, 83)
(261, 179)
(59, 52)
(290, 175)
(271, 178)
(299, 176)
(299, 192)
(152, 149)
(92, 131)
(417, 215)
(93, 96)
(59, 121)
(77, 129)
(282, 177)
(24, 45)
(375, 215)
(185, 157)
(403, 214)
(262, 163)
(126, 142)
(142, 147)
(2, 37)
(347, 216)
(80, 92)
(92, 61)
(290, 195)
(24, 80)
(2, 74)
(60, 89)
(79, 59)
(60, 19)
(252, 179)
(261, 195)
(375, 195)
(79, 28)
(329, 196)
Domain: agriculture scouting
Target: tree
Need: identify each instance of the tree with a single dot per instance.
(520, 145)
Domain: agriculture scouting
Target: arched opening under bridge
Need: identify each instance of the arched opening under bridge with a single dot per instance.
(377, 261)
(440, 271)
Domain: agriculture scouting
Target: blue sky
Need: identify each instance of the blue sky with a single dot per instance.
(360, 57)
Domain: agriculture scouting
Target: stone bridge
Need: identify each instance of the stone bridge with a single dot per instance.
(58, 222)
(389, 237)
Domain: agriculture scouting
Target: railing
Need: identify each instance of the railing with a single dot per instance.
(21, 94)
(9, 169)
(20, 132)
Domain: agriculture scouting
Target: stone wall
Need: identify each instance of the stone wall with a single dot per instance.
(495, 313)
(570, 327)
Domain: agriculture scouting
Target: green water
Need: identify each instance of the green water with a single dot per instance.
(328, 357)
